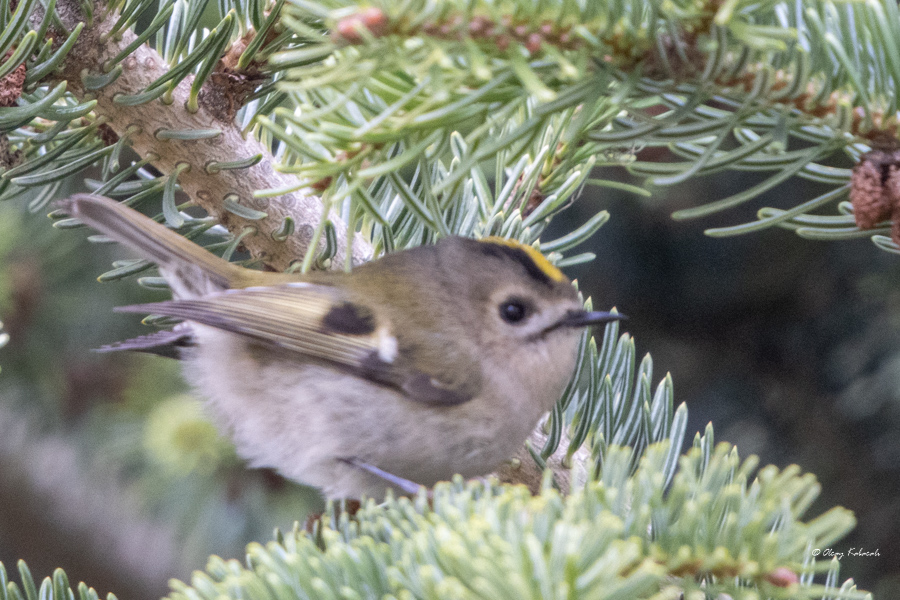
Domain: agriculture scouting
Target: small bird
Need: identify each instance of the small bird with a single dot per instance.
(413, 367)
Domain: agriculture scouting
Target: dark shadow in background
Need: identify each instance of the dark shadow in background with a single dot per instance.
(790, 347)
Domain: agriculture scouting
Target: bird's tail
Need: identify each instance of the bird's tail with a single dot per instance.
(190, 269)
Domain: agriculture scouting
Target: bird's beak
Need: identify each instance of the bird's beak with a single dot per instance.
(583, 318)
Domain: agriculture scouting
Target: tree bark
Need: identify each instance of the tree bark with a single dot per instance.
(208, 190)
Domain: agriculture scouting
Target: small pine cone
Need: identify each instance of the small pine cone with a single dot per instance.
(11, 85)
(347, 29)
(375, 21)
(782, 577)
(892, 193)
(107, 134)
(892, 186)
(895, 228)
(867, 193)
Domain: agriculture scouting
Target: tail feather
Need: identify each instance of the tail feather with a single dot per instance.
(173, 253)
(168, 343)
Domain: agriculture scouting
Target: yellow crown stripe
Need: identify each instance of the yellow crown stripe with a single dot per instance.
(539, 260)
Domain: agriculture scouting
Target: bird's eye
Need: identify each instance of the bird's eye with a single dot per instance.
(513, 311)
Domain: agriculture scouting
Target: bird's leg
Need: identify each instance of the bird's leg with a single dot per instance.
(313, 522)
(409, 487)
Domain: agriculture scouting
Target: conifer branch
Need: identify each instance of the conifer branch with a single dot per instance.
(722, 530)
(745, 85)
(196, 163)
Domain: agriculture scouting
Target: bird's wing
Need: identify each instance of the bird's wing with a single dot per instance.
(168, 343)
(317, 322)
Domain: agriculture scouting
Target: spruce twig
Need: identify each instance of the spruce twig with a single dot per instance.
(145, 123)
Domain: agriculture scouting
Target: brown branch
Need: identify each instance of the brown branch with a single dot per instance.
(522, 469)
(208, 190)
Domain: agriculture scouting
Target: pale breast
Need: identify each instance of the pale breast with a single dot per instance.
(302, 418)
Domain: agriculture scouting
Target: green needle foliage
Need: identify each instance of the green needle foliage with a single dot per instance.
(358, 95)
(618, 537)
(57, 587)
(720, 529)
(775, 87)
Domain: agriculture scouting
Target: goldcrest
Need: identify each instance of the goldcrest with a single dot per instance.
(421, 364)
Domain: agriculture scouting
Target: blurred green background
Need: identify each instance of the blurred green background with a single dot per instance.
(108, 469)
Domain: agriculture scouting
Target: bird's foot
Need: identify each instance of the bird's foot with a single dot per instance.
(407, 486)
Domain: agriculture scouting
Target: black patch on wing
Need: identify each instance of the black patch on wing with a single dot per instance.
(349, 318)
(167, 343)
(427, 390)
(372, 367)
(417, 386)
(518, 255)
